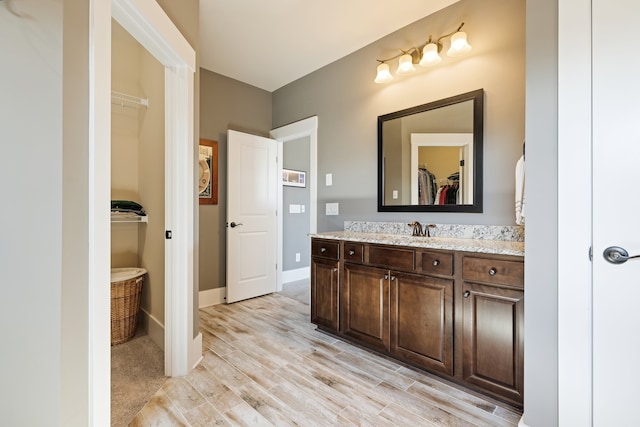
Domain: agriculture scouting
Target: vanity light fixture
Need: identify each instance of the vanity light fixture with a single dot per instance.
(426, 55)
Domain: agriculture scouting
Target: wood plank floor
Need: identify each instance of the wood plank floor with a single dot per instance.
(266, 365)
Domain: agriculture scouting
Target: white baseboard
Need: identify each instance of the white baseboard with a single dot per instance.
(521, 422)
(295, 275)
(195, 352)
(154, 328)
(212, 297)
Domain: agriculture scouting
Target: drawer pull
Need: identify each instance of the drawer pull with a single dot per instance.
(492, 272)
(466, 294)
(436, 262)
(323, 250)
(352, 252)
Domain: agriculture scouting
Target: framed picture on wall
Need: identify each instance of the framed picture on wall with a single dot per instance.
(293, 178)
(208, 172)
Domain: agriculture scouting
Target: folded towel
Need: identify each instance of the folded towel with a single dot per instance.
(127, 206)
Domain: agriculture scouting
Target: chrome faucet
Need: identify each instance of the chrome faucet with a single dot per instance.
(419, 231)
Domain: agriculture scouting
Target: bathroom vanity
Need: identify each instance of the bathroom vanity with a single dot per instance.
(453, 307)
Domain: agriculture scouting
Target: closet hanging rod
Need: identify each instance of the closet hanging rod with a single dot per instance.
(124, 99)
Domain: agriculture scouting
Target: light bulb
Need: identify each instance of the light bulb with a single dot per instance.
(430, 55)
(405, 64)
(384, 75)
(459, 45)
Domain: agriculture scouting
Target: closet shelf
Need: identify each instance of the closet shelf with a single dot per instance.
(128, 101)
(128, 217)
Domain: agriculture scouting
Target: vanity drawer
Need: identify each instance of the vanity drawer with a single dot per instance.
(325, 249)
(501, 272)
(437, 263)
(354, 252)
(393, 258)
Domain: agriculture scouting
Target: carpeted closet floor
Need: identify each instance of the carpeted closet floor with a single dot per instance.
(137, 373)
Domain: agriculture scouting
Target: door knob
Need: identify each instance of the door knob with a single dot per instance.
(235, 224)
(617, 255)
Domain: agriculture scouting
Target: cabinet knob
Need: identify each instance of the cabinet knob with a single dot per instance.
(323, 250)
(466, 294)
(436, 262)
(492, 272)
(352, 252)
(335, 269)
(393, 278)
(386, 276)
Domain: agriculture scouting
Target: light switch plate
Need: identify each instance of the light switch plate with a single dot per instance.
(294, 208)
(328, 179)
(395, 194)
(332, 208)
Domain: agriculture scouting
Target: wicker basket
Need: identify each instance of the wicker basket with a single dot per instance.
(125, 303)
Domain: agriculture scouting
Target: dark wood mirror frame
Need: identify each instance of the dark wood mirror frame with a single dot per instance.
(477, 97)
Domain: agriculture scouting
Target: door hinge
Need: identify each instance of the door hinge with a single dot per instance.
(590, 253)
(167, 234)
(462, 162)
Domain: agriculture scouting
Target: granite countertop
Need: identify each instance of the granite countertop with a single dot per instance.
(486, 246)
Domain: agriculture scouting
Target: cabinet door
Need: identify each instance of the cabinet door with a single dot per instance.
(494, 339)
(324, 292)
(422, 321)
(365, 305)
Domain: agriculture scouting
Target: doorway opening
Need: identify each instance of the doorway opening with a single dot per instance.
(293, 238)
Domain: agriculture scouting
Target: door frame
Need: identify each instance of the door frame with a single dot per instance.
(300, 129)
(152, 28)
(575, 280)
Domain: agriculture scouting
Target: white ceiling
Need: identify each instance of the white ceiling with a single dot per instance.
(269, 44)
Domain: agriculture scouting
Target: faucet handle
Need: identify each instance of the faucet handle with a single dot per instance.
(427, 227)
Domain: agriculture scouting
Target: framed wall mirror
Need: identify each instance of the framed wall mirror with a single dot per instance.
(430, 156)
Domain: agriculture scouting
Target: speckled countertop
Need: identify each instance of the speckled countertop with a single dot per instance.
(486, 246)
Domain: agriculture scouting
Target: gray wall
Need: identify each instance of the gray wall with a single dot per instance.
(348, 102)
(541, 239)
(296, 225)
(224, 104)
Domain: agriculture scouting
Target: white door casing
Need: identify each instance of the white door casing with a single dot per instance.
(252, 179)
(150, 26)
(304, 128)
(616, 211)
(598, 144)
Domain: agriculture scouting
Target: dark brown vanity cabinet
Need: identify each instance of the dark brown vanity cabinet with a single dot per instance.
(493, 337)
(325, 283)
(365, 305)
(456, 314)
(422, 321)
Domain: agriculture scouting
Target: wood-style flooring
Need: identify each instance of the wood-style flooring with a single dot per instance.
(266, 365)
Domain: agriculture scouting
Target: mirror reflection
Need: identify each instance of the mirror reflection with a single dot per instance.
(430, 156)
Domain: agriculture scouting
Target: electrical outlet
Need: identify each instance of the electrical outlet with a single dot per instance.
(297, 257)
(395, 194)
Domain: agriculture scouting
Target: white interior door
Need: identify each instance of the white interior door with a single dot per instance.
(252, 177)
(616, 211)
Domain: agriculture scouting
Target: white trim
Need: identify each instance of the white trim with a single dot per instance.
(151, 27)
(307, 127)
(574, 230)
(521, 423)
(154, 30)
(195, 352)
(212, 297)
(99, 159)
(295, 275)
